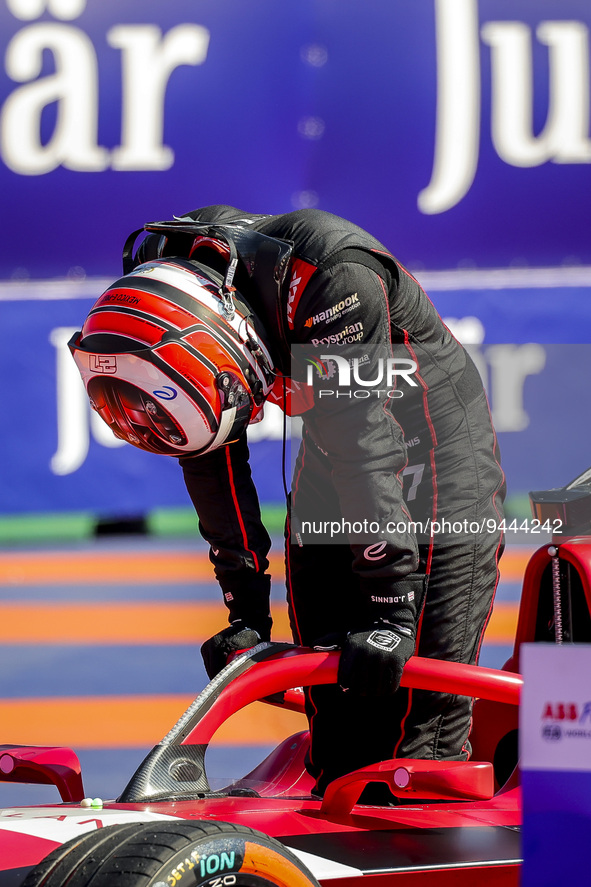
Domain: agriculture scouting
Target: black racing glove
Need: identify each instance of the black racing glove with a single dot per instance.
(236, 638)
(372, 661)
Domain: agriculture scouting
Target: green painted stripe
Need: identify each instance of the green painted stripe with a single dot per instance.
(59, 526)
(70, 526)
(183, 521)
(47, 527)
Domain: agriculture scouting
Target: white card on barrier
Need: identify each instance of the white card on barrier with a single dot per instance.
(555, 711)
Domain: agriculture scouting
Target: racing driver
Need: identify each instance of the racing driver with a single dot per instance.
(393, 533)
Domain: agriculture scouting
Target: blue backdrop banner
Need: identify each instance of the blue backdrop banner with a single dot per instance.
(457, 131)
(58, 455)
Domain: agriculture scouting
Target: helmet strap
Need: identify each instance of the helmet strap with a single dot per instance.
(227, 290)
(227, 422)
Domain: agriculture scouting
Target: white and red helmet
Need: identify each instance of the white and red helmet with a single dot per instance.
(173, 362)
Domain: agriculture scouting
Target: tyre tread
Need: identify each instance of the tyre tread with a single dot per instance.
(132, 855)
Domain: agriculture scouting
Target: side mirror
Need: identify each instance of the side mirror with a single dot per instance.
(43, 765)
(412, 779)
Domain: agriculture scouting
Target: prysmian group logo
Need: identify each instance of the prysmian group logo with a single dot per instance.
(360, 378)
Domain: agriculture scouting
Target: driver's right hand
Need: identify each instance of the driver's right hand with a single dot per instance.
(218, 650)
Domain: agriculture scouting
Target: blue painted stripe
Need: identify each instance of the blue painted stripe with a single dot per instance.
(495, 655)
(81, 593)
(508, 591)
(49, 671)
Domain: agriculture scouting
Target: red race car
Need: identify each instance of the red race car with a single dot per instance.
(455, 821)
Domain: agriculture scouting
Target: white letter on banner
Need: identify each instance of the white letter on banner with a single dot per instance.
(73, 411)
(73, 87)
(148, 61)
(27, 10)
(564, 138)
(510, 365)
(458, 106)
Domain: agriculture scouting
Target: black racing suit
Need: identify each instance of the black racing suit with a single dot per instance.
(431, 454)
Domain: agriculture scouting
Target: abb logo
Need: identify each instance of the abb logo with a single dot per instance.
(567, 711)
(301, 274)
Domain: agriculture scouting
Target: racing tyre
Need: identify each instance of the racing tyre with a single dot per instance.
(172, 854)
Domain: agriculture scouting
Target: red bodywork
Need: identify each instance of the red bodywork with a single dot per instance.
(456, 821)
